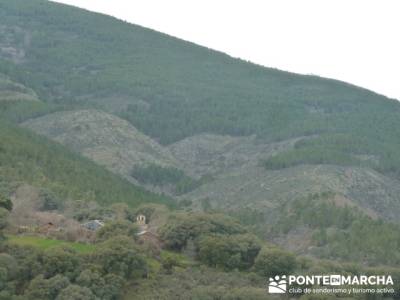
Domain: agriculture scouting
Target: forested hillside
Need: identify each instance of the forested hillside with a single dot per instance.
(26, 157)
(171, 89)
(242, 171)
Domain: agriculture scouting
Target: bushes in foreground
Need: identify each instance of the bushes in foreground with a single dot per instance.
(62, 273)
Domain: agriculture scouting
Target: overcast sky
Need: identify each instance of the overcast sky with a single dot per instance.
(352, 40)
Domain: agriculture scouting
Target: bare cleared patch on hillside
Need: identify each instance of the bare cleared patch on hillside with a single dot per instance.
(215, 154)
(13, 43)
(103, 138)
(254, 187)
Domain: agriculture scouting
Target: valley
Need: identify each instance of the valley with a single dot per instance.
(241, 172)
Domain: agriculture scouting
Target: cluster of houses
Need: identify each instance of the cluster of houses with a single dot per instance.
(50, 228)
(95, 225)
(144, 232)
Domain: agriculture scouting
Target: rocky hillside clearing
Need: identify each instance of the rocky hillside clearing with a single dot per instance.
(235, 164)
(104, 138)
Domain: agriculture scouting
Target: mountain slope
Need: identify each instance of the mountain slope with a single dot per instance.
(12, 91)
(261, 144)
(28, 158)
(210, 154)
(235, 164)
(218, 115)
(257, 189)
(104, 138)
(170, 89)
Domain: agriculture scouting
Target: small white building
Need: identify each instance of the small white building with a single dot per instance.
(141, 220)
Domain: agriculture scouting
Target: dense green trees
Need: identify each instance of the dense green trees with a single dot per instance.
(381, 246)
(115, 228)
(359, 147)
(60, 261)
(5, 202)
(27, 157)
(340, 232)
(164, 176)
(230, 294)
(19, 111)
(3, 221)
(121, 257)
(218, 241)
(8, 273)
(157, 175)
(46, 289)
(61, 273)
(273, 261)
(76, 292)
(169, 261)
(229, 252)
(5, 207)
(185, 227)
(239, 262)
(107, 287)
(172, 89)
(49, 201)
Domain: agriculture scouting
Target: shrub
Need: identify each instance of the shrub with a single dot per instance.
(273, 261)
(116, 228)
(230, 251)
(184, 227)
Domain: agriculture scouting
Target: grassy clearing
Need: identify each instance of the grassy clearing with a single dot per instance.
(45, 243)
